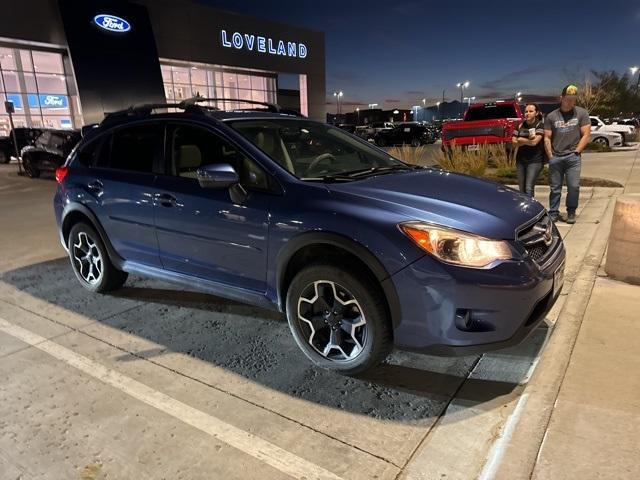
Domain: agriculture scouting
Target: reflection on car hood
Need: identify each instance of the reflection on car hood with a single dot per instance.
(458, 201)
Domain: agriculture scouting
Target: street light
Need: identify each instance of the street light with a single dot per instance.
(358, 113)
(338, 95)
(462, 86)
(634, 70)
(438, 107)
(424, 102)
(469, 100)
(372, 105)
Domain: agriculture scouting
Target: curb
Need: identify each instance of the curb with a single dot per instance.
(526, 438)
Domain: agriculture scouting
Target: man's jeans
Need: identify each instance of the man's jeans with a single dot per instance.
(527, 176)
(559, 168)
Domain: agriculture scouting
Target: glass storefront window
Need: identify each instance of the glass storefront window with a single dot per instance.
(181, 75)
(7, 60)
(25, 59)
(51, 83)
(212, 81)
(47, 62)
(35, 82)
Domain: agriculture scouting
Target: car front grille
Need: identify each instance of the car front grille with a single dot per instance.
(539, 238)
(497, 131)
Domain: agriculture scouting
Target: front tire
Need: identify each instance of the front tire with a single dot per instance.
(601, 141)
(338, 318)
(90, 261)
(415, 142)
(381, 142)
(5, 156)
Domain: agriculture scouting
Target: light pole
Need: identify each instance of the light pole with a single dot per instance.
(358, 114)
(462, 86)
(338, 95)
(634, 70)
(438, 107)
(469, 100)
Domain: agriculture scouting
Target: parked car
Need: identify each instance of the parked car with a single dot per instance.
(608, 139)
(24, 136)
(483, 123)
(370, 130)
(628, 132)
(362, 251)
(347, 127)
(6, 147)
(413, 134)
(49, 151)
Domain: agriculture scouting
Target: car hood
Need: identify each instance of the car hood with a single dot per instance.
(454, 200)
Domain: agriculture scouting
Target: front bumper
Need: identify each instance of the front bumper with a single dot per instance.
(449, 310)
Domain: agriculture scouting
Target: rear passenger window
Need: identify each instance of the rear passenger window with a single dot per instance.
(137, 149)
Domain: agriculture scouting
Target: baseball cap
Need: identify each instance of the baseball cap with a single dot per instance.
(570, 89)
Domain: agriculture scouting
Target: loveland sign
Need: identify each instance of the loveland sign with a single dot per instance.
(112, 23)
(260, 44)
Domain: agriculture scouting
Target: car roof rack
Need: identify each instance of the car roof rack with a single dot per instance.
(270, 107)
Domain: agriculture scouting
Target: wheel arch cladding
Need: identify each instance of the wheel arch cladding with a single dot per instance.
(75, 213)
(322, 246)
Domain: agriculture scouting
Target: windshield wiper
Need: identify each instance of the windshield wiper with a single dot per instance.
(378, 170)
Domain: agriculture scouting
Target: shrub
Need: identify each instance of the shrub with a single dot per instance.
(409, 154)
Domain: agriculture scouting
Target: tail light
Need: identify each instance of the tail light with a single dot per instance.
(61, 173)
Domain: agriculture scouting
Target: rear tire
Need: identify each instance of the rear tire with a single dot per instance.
(415, 142)
(90, 261)
(338, 318)
(601, 141)
(381, 142)
(5, 156)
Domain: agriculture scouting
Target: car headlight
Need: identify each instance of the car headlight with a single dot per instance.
(456, 247)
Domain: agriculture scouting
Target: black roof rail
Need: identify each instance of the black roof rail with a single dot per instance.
(146, 109)
(270, 107)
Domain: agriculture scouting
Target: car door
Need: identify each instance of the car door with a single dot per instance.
(120, 183)
(202, 231)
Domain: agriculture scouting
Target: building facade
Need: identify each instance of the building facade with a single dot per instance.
(65, 63)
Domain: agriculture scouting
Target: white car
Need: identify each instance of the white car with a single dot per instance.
(609, 139)
(628, 132)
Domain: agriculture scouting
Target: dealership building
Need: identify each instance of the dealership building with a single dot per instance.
(65, 63)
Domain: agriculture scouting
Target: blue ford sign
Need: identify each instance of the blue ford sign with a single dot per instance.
(257, 43)
(112, 23)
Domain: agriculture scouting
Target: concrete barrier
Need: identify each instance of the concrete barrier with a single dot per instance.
(623, 254)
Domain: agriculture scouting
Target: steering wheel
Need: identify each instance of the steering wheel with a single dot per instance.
(318, 160)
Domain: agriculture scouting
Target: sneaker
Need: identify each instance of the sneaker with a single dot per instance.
(571, 217)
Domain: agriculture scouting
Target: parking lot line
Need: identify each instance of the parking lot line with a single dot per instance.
(246, 442)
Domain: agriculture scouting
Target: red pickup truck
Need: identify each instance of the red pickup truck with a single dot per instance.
(483, 123)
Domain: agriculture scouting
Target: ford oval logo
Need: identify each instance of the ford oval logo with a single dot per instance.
(112, 23)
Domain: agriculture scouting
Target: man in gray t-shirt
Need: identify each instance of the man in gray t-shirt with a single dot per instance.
(566, 134)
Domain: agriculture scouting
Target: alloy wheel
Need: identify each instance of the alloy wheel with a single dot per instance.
(332, 321)
(87, 258)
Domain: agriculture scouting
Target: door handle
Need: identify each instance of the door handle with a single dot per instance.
(96, 186)
(166, 200)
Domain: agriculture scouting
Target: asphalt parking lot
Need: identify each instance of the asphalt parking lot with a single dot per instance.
(158, 382)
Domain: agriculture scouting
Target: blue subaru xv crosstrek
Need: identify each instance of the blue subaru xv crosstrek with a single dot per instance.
(362, 251)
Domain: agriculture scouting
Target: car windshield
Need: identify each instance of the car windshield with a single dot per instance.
(314, 151)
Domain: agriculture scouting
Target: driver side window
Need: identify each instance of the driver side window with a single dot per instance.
(191, 148)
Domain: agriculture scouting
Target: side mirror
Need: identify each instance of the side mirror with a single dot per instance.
(217, 175)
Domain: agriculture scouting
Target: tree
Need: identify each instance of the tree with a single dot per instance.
(608, 94)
